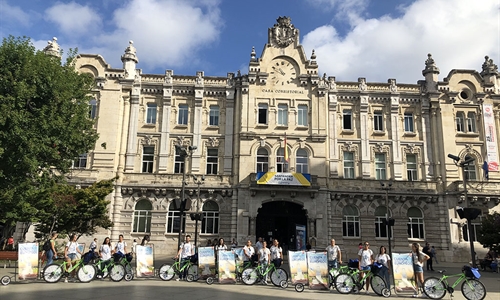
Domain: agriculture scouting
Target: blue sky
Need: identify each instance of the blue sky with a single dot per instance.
(376, 39)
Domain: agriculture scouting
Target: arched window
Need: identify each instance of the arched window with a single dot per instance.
(476, 226)
(174, 219)
(301, 161)
(380, 228)
(142, 216)
(350, 221)
(281, 163)
(415, 223)
(470, 171)
(210, 223)
(262, 160)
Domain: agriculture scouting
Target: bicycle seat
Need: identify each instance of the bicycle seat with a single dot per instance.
(441, 271)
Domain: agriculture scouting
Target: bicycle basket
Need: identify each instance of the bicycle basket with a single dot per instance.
(194, 258)
(375, 268)
(353, 263)
(89, 256)
(471, 272)
(117, 256)
(129, 257)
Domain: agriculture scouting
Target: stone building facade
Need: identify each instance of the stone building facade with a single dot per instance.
(284, 117)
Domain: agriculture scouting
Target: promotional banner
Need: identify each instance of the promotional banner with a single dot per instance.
(403, 272)
(206, 262)
(145, 260)
(81, 248)
(28, 260)
(238, 256)
(279, 178)
(490, 137)
(227, 267)
(298, 266)
(317, 264)
(300, 233)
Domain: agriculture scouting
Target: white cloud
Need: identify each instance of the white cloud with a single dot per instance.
(13, 14)
(165, 33)
(73, 19)
(457, 35)
(350, 10)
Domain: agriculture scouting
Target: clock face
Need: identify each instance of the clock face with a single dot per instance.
(283, 72)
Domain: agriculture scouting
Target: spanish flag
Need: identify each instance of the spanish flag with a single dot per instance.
(286, 150)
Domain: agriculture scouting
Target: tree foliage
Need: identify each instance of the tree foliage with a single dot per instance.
(44, 125)
(489, 234)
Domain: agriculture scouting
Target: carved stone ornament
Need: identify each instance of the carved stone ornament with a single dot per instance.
(213, 141)
(168, 76)
(283, 32)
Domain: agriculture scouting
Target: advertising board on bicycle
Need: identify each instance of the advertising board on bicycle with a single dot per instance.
(206, 262)
(145, 260)
(403, 272)
(317, 265)
(28, 261)
(298, 266)
(227, 267)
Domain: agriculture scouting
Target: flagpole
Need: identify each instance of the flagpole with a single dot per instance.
(286, 155)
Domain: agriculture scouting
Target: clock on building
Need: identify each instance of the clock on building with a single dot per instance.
(283, 71)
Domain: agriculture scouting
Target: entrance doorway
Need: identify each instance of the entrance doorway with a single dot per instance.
(278, 220)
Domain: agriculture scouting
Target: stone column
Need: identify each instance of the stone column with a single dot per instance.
(197, 122)
(365, 140)
(165, 129)
(396, 140)
(132, 129)
(228, 131)
(332, 136)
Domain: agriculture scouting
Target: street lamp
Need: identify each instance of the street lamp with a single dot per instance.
(467, 213)
(197, 216)
(387, 186)
(183, 203)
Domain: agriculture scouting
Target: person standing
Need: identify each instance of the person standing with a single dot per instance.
(434, 254)
(276, 254)
(234, 244)
(264, 258)
(51, 253)
(334, 255)
(365, 256)
(93, 245)
(121, 246)
(384, 259)
(185, 253)
(418, 259)
(427, 251)
(258, 245)
(248, 251)
(71, 253)
(219, 247)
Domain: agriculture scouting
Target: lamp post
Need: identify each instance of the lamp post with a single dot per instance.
(197, 216)
(386, 186)
(183, 153)
(462, 164)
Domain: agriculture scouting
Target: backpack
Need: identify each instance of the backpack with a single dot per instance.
(46, 246)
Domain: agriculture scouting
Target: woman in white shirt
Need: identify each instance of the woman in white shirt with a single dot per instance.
(276, 254)
(248, 251)
(418, 258)
(384, 259)
(365, 261)
(105, 250)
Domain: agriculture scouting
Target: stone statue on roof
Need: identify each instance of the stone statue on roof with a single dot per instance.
(52, 48)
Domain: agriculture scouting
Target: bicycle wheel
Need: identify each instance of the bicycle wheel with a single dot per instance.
(117, 272)
(52, 273)
(299, 287)
(473, 289)
(166, 272)
(386, 292)
(378, 284)
(128, 268)
(434, 288)
(193, 271)
(344, 283)
(86, 273)
(249, 276)
(129, 277)
(278, 275)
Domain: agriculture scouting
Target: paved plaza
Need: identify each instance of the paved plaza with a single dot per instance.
(154, 288)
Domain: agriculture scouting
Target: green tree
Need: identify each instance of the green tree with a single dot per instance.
(44, 125)
(489, 234)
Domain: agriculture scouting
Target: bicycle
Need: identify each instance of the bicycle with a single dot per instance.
(167, 271)
(240, 268)
(129, 270)
(54, 272)
(109, 267)
(334, 272)
(349, 282)
(251, 275)
(472, 288)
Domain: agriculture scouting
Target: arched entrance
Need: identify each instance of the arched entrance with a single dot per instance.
(279, 220)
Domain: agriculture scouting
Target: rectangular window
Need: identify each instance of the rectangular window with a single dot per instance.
(475, 228)
(411, 167)
(282, 114)
(148, 154)
(179, 163)
(350, 226)
(380, 168)
(349, 165)
(80, 162)
(378, 121)
(212, 161)
(415, 228)
(183, 114)
(151, 113)
(408, 122)
(302, 115)
(174, 222)
(471, 122)
(470, 171)
(459, 121)
(381, 229)
(214, 115)
(262, 114)
(93, 109)
(347, 119)
(142, 221)
(210, 223)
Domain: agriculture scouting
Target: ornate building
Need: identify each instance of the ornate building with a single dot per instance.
(290, 154)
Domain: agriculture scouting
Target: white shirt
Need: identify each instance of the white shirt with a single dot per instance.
(383, 259)
(259, 246)
(93, 245)
(276, 252)
(72, 247)
(422, 257)
(120, 247)
(105, 252)
(332, 252)
(220, 248)
(264, 252)
(366, 257)
(187, 250)
(248, 251)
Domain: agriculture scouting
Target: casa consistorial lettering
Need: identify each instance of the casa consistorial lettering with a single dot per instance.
(283, 91)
